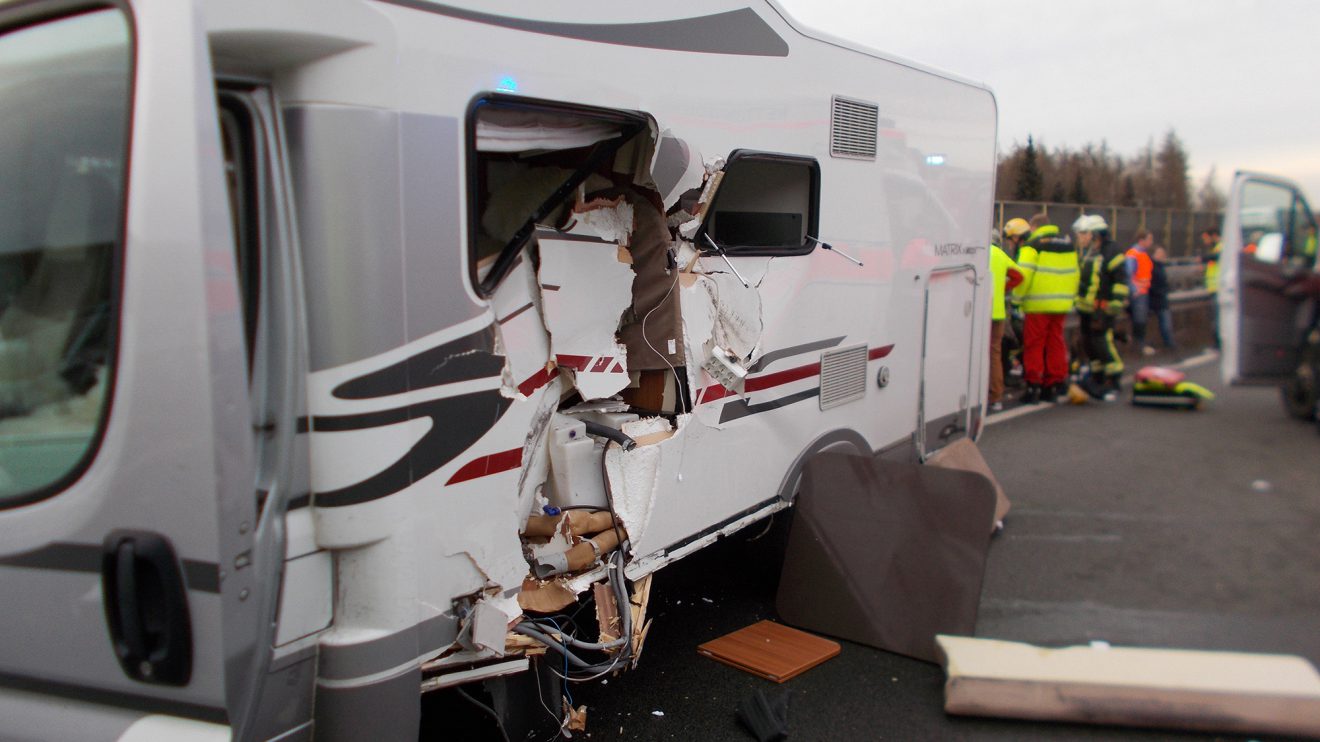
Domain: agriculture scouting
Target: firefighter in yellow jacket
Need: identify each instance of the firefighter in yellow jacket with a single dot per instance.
(1048, 263)
(1102, 296)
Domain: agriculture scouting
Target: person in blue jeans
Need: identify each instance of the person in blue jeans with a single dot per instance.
(1159, 297)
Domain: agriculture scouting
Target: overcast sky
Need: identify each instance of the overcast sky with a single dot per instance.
(1237, 79)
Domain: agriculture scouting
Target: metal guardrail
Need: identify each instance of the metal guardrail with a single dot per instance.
(1178, 230)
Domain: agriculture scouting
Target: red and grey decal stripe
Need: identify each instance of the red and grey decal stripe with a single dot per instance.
(591, 364)
(512, 459)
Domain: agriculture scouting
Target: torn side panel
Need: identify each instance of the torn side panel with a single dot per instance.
(722, 329)
(633, 474)
(585, 288)
(521, 334)
(676, 168)
(607, 219)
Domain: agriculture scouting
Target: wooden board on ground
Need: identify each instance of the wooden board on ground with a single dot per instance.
(1171, 688)
(770, 650)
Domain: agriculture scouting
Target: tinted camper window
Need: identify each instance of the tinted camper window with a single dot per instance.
(766, 205)
(64, 102)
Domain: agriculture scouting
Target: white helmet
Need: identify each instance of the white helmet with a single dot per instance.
(1090, 223)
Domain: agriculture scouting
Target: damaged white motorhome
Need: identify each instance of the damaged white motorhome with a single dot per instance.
(343, 342)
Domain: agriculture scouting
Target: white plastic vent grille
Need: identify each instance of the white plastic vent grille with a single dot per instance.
(842, 376)
(853, 126)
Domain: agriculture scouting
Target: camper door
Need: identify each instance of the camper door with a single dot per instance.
(126, 486)
(1267, 270)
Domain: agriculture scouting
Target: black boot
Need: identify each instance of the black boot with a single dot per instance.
(1032, 395)
(1058, 392)
(1094, 385)
(1113, 385)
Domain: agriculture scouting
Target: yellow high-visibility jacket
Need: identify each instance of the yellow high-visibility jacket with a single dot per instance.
(1212, 267)
(1000, 266)
(1048, 262)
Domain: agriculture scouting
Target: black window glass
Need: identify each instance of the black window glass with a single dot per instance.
(766, 204)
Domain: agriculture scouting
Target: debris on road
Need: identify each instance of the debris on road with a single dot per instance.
(965, 456)
(770, 650)
(885, 553)
(765, 715)
(1170, 688)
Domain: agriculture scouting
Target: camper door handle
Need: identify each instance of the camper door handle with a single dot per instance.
(146, 607)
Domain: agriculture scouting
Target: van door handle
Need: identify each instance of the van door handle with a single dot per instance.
(146, 607)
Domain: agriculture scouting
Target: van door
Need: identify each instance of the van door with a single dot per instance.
(1266, 273)
(948, 360)
(126, 467)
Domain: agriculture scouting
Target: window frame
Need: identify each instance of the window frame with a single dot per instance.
(1296, 242)
(28, 15)
(704, 239)
(471, 157)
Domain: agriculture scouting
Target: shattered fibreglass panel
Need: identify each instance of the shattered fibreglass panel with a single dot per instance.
(608, 219)
(633, 473)
(586, 284)
(676, 168)
(737, 314)
(521, 334)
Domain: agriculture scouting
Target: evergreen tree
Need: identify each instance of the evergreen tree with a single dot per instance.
(1030, 184)
(1171, 173)
(1209, 197)
(1078, 195)
(1129, 194)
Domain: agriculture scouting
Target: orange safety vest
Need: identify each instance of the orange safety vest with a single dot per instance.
(1141, 276)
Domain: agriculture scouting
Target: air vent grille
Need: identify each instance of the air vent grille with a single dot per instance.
(853, 126)
(842, 376)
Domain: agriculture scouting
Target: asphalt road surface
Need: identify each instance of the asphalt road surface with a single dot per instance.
(1137, 526)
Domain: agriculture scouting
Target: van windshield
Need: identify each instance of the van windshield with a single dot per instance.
(64, 97)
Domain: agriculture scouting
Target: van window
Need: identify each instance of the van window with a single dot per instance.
(64, 105)
(1303, 231)
(766, 205)
(1266, 209)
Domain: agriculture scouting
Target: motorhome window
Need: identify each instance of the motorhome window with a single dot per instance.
(526, 161)
(64, 109)
(766, 205)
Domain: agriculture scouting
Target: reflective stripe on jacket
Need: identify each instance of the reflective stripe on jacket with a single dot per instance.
(1048, 262)
(1103, 280)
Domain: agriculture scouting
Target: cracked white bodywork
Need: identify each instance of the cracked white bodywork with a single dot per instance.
(585, 288)
(633, 474)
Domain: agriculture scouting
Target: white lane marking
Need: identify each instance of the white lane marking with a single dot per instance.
(1065, 537)
(1007, 415)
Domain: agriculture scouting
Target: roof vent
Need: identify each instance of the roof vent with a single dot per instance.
(853, 128)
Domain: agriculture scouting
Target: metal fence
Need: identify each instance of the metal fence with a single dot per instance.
(1179, 231)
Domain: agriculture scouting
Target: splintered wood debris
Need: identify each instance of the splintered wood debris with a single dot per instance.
(1099, 684)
